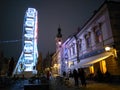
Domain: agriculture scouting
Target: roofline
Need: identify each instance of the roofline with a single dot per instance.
(106, 2)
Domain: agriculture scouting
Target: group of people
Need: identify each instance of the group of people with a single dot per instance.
(78, 75)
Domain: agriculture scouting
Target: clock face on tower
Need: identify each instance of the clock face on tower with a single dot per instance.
(58, 43)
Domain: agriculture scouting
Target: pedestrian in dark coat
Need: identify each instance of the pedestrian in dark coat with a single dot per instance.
(75, 76)
(64, 74)
(48, 75)
(81, 74)
(11, 66)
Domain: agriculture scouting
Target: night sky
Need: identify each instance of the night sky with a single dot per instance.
(69, 14)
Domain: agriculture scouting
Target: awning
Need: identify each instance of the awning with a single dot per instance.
(94, 59)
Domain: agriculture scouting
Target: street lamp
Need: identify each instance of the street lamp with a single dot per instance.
(66, 62)
(113, 50)
(66, 65)
(107, 48)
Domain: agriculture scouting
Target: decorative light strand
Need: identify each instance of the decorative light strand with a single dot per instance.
(10, 41)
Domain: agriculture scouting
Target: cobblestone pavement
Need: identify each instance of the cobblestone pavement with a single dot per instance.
(91, 85)
(55, 84)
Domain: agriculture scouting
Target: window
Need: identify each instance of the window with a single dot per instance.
(80, 44)
(88, 40)
(69, 51)
(91, 68)
(103, 66)
(66, 53)
(70, 64)
(73, 48)
(98, 36)
(98, 33)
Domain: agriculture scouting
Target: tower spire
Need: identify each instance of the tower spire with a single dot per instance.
(59, 35)
(58, 38)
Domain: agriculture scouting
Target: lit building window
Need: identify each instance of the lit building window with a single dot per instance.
(70, 63)
(91, 68)
(103, 66)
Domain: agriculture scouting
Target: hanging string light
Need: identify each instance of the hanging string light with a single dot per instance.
(10, 41)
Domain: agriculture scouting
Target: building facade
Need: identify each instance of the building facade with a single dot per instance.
(97, 45)
(56, 58)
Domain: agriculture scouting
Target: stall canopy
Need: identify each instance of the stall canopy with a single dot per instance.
(94, 59)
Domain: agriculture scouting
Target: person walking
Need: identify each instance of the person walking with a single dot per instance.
(64, 74)
(11, 66)
(81, 74)
(70, 74)
(48, 75)
(75, 76)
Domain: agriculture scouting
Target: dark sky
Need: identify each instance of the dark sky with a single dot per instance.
(69, 14)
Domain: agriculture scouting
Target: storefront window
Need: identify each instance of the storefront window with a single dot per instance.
(91, 69)
(103, 66)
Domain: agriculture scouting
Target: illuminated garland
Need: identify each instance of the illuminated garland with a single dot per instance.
(10, 41)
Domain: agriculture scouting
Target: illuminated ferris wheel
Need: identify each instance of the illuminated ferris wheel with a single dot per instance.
(28, 59)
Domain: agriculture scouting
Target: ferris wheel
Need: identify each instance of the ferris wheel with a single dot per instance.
(29, 55)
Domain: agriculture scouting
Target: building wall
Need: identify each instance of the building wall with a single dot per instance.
(105, 21)
(112, 66)
(109, 18)
(114, 12)
(114, 15)
(54, 64)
